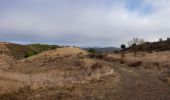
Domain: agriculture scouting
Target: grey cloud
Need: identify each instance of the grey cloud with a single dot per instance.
(82, 22)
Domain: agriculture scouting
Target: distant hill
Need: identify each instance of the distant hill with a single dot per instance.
(104, 49)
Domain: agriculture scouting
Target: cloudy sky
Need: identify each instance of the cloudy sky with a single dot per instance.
(83, 22)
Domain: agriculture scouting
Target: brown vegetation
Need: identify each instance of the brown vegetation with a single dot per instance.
(70, 73)
(54, 68)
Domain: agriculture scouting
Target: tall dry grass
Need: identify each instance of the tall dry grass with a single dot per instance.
(15, 81)
(148, 60)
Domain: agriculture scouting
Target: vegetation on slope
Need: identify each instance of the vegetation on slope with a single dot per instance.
(103, 50)
(136, 45)
(38, 48)
(21, 51)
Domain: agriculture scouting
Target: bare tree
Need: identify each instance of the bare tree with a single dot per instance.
(135, 41)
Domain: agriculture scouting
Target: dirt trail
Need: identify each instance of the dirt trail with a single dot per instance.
(139, 84)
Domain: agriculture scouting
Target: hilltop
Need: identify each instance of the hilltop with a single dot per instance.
(19, 51)
(10, 52)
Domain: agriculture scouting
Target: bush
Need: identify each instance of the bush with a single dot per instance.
(123, 46)
(134, 63)
(115, 51)
(43, 47)
(92, 55)
(38, 48)
(97, 55)
(30, 53)
(92, 50)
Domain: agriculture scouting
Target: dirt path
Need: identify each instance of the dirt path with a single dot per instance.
(138, 84)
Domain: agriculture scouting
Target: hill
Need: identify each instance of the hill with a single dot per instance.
(19, 51)
(150, 46)
(11, 52)
(62, 67)
(69, 73)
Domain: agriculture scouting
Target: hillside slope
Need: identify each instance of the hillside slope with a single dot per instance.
(54, 68)
(70, 73)
(151, 46)
(11, 52)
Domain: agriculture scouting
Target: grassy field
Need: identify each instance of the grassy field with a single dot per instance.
(70, 73)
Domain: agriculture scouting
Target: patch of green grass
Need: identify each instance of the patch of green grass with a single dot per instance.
(38, 48)
(43, 47)
(30, 53)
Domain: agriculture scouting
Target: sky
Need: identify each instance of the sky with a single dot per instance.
(85, 23)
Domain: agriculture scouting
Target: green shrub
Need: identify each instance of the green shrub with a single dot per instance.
(123, 46)
(30, 53)
(92, 50)
(43, 47)
(38, 48)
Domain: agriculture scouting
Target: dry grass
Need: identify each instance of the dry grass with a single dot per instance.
(146, 60)
(154, 62)
(69, 72)
(134, 63)
(6, 60)
(60, 67)
(10, 86)
(14, 82)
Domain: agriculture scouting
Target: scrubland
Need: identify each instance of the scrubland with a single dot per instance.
(62, 67)
(155, 61)
(70, 73)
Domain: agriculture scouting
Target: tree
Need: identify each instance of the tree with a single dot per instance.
(92, 50)
(123, 46)
(168, 39)
(135, 41)
(160, 40)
